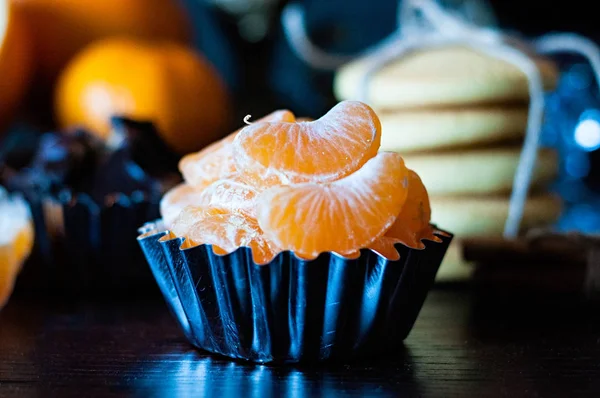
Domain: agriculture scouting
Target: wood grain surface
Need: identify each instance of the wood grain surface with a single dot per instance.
(464, 344)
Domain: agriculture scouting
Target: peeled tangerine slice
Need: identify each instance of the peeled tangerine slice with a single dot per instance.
(383, 245)
(232, 194)
(176, 200)
(412, 224)
(201, 168)
(341, 216)
(324, 150)
(216, 160)
(16, 241)
(225, 231)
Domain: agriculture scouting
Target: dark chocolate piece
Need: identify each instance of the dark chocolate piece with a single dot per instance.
(146, 148)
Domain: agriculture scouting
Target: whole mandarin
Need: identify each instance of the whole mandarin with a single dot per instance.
(64, 27)
(163, 82)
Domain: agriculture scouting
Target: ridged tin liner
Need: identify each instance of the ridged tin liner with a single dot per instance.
(291, 310)
(84, 248)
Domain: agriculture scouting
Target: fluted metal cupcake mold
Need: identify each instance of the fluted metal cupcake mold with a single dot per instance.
(83, 248)
(291, 310)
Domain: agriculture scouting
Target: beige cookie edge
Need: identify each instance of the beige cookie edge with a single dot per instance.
(389, 91)
(478, 171)
(478, 217)
(428, 129)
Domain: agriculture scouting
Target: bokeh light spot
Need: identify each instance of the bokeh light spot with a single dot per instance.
(587, 134)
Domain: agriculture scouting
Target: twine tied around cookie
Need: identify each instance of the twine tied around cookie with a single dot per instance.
(425, 24)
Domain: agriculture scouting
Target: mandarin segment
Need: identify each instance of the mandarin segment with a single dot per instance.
(230, 231)
(225, 231)
(341, 216)
(190, 216)
(282, 115)
(210, 164)
(216, 160)
(7, 275)
(324, 150)
(8, 272)
(16, 241)
(412, 223)
(23, 243)
(174, 201)
(232, 193)
(12, 256)
(430, 233)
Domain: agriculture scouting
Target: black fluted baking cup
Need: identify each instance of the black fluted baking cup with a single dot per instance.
(292, 310)
(85, 248)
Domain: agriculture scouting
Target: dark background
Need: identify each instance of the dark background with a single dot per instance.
(345, 26)
(537, 16)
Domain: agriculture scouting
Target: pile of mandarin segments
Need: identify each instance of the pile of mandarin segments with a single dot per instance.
(16, 241)
(305, 186)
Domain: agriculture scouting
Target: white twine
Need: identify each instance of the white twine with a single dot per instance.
(570, 42)
(424, 24)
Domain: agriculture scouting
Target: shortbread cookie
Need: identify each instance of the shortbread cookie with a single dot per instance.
(416, 130)
(476, 217)
(441, 77)
(478, 171)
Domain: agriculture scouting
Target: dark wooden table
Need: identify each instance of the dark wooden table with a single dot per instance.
(464, 344)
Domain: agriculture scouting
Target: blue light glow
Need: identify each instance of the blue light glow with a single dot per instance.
(587, 134)
(577, 165)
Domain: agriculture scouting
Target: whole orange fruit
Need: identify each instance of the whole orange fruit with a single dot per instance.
(166, 83)
(63, 27)
(15, 61)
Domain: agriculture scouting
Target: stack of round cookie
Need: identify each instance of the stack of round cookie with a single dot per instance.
(458, 118)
